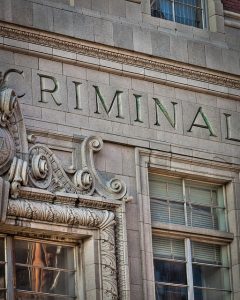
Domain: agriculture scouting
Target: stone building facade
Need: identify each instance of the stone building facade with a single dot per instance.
(120, 149)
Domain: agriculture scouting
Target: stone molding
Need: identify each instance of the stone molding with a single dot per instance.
(60, 214)
(118, 55)
(92, 218)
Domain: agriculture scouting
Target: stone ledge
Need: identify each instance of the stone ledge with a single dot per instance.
(118, 55)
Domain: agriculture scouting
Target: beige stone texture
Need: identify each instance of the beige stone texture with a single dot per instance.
(118, 30)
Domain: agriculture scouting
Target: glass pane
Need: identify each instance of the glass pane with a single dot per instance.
(177, 215)
(165, 187)
(162, 9)
(188, 14)
(45, 281)
(165, 212)
(168, 248)
(199, 195)
(2, 250)
(170, 272)
(206, 253)
(203, 294)
(206, 217)
(210, 276)
(200, 216)
(204, 194)
(2, 276)
(43, 254)
(171, 293)
(159, 211)
(2, 295)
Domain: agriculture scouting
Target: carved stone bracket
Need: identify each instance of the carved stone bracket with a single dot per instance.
(114, 188)
(46, 172)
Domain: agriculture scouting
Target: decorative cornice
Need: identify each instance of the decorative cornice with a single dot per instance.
(46, 212)
(118, 55)
(73, 200)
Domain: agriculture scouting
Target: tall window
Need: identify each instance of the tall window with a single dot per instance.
(188, 12)
(186, 202)
(188, 268)
(41, 270)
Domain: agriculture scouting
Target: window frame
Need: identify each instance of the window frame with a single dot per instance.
(188, 241)
(204, 14)
(10, 264)
(189, 262)
(187, 203)
(194, 168)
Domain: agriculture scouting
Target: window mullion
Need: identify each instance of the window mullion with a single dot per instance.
(9, 268)
(173, 10)
(203, 12)
(188, 254)
(185, 202)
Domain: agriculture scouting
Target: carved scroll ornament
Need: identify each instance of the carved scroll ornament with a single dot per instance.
(39, 165)
(46, 172)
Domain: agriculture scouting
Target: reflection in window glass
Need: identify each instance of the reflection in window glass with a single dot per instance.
(210, 272)
(168, 271)
(44, 268)
(200, 294)
(171, 293)
(169, 268)
(188, 12)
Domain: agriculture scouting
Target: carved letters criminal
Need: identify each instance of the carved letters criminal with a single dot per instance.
(116, 107)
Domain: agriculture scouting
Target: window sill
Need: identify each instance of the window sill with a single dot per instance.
(199, 234)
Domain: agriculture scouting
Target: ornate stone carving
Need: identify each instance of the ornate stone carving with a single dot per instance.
(93, 218)
(83, 179)
(17, 175)
(7, 150)
(109, 268)
(59, 214)
(8, 100)
(46, 172)
(122, 253)
(114, 188)
(120, 56)
(4, 191)
(13, 141)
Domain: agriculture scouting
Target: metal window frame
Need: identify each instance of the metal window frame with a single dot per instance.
(10, 265)
(189, 270)
(187, 203)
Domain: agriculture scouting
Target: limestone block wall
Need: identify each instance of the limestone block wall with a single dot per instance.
(107, 68)
(129, 25)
